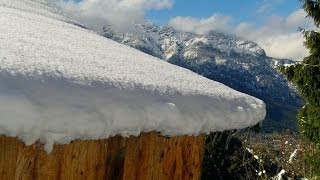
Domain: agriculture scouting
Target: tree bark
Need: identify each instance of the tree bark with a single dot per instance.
(149, 156)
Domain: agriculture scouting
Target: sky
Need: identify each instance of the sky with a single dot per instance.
(273, 24)
(255, 11)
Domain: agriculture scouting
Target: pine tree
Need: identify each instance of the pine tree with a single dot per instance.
(306, 75)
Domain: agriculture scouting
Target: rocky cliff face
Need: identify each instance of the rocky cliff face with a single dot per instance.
(231, 60)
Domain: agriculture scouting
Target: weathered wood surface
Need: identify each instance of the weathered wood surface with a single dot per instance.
(149, 156)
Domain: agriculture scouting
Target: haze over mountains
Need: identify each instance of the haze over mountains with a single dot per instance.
(231, 60)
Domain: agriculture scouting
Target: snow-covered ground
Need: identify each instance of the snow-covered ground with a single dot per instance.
(60, 82)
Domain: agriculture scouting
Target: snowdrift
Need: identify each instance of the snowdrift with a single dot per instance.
(60, 82)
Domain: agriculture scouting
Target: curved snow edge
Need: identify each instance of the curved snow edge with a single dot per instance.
(60, 82)
(59, 111)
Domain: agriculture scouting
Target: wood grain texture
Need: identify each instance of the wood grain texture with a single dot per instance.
(149, 156)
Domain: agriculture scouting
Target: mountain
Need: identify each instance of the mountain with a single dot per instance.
(61, 82)
(282, 62)
(236, 62)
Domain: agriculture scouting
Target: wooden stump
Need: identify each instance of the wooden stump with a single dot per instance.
(149, 156)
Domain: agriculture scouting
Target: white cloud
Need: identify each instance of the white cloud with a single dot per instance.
(121, 13)
(278, 36)
(201, 26)
(286, 46)
(267, 6)
(299, 18)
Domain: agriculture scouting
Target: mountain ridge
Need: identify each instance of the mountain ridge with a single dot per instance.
(234, 61)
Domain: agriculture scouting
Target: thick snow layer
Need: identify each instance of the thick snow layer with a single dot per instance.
(40, 7)
(59, 82)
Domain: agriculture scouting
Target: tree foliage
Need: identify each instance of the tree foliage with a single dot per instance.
(306, 76)
(312, 8)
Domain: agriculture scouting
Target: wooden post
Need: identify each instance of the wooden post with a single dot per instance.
(149, 156)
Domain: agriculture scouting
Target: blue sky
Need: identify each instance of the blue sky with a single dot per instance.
(255, 11)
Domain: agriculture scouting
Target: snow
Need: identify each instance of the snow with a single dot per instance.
(261, 172)
(40, 7)
(250, 150)
(220, 61)
(60, 82)
(255, 156)
(248, 46)
(198, 40)
(293, 155)
(280, 175)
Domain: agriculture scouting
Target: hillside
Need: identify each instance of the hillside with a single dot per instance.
(231, 60)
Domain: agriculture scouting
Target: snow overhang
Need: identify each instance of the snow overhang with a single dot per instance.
(60, 82)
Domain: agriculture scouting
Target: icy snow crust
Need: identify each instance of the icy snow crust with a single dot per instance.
(60, 82)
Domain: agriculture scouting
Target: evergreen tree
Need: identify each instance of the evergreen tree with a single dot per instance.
(306, 75)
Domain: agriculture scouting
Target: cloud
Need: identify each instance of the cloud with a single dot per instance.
(285, 46)
(267, 6)
(299, 18)
(121, 13)
(278, 36)
(201, 26)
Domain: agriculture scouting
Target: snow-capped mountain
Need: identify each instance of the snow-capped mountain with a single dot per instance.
(60, 82)
(282, 62)
(231, 60)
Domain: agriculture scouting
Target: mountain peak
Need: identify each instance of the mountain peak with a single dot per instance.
(239, 63)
